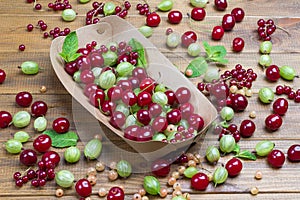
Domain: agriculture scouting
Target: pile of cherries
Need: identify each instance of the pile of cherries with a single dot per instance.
(92, 16)
(149, 114)
(265, 29)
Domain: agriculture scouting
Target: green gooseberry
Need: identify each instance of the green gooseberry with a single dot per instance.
(190, 172)
(265, 47)
(160, 98)
(21, 119)
(159, 137)
(265, 60)
(220, 175)
(109, 8)
(199, 3)
(13, 146)
(68, 15)
(72, 154)
(21, 136)
(194, 49)
(165, 5)
(211, 74)
(29, 67)
(288, 73)
(76, 77)
(227, 113)
(147, 31)
(227, 143)
(212, 154)
(40, 124)
(266, 95)
(151, 185)
(173, 40)
(124, 168)
(64, 178)
(263, 148)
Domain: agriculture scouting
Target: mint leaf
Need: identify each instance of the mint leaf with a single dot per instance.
(246, 155)
(70, 47)
(198, 66)
(138, 47)
(237, 149)
(62, 140)
(215, 53)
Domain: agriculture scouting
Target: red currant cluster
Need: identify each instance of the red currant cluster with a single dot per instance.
(232, 129)
(143, 9)
(287, 90)
(92, 15)
(59, 5)
(221, 89)
(54, 33)
(45, 170)
(265, 29)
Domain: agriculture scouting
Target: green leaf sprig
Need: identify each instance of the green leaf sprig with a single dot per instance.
(62, 140)
(199, 65)
(138, 47)
(244, 154)
(70, 47)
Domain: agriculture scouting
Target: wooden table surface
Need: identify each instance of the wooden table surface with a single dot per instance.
(276, 183)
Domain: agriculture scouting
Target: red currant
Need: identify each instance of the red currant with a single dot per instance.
(21, 47)
(276, 158)
(61, 125)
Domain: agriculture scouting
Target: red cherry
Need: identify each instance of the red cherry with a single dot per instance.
(273, 73)
(153, 19)
(273, 122)
(280, 106)
(188, 38)
(42, 143)
(115, 193)
(221, 4)
(238, 14)
(238, 44)
(24, 99)
(2, 76)
(247, 128)
(199, 181)
(276, 158)
(61, 125)
(5, 119)
(83, 188)
(228, 22)
(148, 84)
(217, 33)
(51, 156)
(234, 166)
(174, 116)
(198, 14)
(175, 17)
(160, 168)
(293, 153)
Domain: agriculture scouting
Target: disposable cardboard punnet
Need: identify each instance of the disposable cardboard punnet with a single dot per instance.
(113, 28)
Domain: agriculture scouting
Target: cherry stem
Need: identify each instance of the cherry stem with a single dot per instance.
(284, 30)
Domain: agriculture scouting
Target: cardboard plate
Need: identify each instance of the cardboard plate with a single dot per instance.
(113, 28)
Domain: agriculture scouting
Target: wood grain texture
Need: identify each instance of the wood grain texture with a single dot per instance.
(276, 183)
